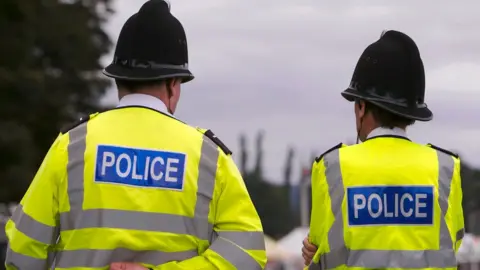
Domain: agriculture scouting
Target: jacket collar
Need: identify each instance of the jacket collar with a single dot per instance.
(143, 100)
(387, 132)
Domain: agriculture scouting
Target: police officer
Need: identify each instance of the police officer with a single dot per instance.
(135, 184)
(387, 203)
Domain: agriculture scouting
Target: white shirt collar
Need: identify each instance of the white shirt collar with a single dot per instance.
(144, 101)
(381, 131)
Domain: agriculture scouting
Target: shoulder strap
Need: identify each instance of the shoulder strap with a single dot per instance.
(443, 150)
(77, 123)
(340, 145)
(209, 134)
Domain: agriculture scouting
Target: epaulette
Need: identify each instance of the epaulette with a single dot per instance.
(340, 145)
(216, 140)
(77, 123)
(443, 150)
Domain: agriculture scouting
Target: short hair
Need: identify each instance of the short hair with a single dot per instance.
(385, 118)
(133, 86)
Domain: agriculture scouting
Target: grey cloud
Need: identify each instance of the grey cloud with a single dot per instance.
(280, 65)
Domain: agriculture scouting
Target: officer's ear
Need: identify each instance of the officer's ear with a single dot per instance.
(360, 108)
(173, 82)
(173, 86)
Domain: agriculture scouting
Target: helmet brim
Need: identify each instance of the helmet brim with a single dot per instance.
(423, 114)
(121, 72)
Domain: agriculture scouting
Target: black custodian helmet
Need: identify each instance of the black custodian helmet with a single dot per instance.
(152, 46)
(390, 75)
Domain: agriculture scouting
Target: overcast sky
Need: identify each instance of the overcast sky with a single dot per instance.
(280, 66)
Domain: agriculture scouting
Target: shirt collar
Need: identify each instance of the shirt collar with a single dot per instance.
(144, 101)
(381, 131)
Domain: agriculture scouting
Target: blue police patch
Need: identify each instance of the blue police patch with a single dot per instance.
(140, 167)
(390, 205)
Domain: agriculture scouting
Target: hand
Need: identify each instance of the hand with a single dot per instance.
(126, 266)
(308, 251)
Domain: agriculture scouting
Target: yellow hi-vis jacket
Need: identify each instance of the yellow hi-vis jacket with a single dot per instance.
(387, 203)
(135, 185)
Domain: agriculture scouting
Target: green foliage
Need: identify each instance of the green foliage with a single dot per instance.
(48, 77)
(271, 201)
(471, 189)
(287, 173)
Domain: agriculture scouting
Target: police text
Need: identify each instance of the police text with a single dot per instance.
(140, 167)
(390, 205)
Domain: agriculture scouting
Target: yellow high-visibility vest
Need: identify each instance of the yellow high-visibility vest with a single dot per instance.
(135, 185)
(387, 203)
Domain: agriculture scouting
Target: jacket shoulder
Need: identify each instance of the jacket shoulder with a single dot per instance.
(209, 134)
(443, 150)
(340, 145)
(77, 123)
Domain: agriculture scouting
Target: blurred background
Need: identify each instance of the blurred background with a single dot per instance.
(268, 80)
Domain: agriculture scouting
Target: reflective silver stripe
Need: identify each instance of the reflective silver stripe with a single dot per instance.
(122, 219)
(340, 255)
(102, 258)
(233, 254)
(379, 259)
(445, 175)
(207, 171)
(36, 230)
(245, 240)
(75, 168)
(23, 262)
(51, 259)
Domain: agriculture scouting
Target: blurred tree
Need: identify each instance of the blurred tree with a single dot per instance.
(48, 77)
(471, 189)
(259, 150)
(243, 154)
(271, 201)
(287, 174)
(293, 194)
